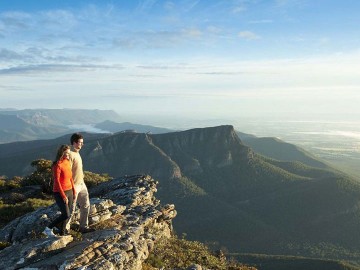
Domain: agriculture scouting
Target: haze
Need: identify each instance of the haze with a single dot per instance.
(189, 59)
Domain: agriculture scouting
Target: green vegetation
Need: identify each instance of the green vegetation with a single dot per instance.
(190, 188)
(19, 196)
(176, 253)
(41, 176)
(93, 179)
(249, 203)
(296, 167)
(9, 184)
(4, 245)
(280, 150)
(9, 212)
(276, 262)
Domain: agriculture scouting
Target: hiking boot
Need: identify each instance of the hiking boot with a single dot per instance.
(64, 233)
(86, 230)
(49, 232)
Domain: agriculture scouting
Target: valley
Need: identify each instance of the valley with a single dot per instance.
(239, 190)
(335, 142)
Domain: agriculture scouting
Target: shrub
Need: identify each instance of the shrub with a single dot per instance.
(176, 253)
(15, 197)
(41, 176)
(8, 212)
(9, 184)
(2, 184)
(4, 245)
(93, 179)
(15, 182)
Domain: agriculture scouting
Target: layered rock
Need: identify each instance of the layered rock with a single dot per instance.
(126, 215)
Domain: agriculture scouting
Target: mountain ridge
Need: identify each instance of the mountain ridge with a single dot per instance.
(114, 127)
(46, 117)
(280, 150)
(35, 124)
(227, 193)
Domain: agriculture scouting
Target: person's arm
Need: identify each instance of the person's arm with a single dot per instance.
(73, 188)
(57, 175)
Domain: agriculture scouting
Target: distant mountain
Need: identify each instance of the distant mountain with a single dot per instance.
(14, 128)
(127, 126)
(33, 124)
(227, 194)
(280, 150)
(65, 117)
(32, 147)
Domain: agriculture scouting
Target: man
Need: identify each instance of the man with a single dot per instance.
(82, 194)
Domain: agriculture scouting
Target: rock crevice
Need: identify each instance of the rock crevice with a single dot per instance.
(126, 215)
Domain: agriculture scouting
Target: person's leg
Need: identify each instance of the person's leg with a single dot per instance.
(64, 209)
(84, 205)
(69, 207)
(72, 211)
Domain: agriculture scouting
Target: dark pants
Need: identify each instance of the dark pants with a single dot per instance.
(65, 209)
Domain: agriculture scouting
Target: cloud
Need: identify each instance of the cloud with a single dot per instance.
(15, 20)
(48, 68)
(290, 3)
(148, 40)
(14, 88)
(248, 35)
(189, 5)
(238, 9)
(221, 73)
(33, 56)
(58, 20)
(169, 5)
(264, 21)
(192, 33)
(161, 67)
(145, 5)
(157, 39)
(9, 55)
(214, 29)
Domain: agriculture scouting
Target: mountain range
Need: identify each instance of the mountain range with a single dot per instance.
(35, 124)
(227, 193)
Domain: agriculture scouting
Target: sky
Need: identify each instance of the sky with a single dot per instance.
(189, 59)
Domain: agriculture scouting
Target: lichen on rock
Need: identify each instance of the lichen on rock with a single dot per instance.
(127, 218)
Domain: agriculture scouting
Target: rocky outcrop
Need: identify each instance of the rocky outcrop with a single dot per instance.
(197, 149)
(127, 218)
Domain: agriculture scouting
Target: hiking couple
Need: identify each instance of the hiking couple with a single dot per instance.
(69, 187)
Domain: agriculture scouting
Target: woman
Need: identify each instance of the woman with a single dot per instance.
(64, 191)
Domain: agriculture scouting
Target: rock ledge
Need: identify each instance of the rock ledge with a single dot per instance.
(126, 215)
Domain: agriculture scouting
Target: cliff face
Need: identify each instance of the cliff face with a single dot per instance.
(129, 153)
(126, 215)
(225, 193)
(196, 150)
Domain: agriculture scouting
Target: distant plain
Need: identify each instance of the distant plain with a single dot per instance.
(335, 142)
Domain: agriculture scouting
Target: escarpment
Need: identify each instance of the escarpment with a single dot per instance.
(127, 219)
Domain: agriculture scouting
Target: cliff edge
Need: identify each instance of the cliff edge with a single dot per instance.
(126, 215)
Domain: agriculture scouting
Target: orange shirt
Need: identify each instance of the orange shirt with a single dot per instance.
(63, 179)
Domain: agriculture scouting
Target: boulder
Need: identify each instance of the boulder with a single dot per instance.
(127, 219)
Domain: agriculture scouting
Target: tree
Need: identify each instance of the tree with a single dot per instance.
(41, 176)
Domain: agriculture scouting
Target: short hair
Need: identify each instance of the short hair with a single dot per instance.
(75, 138)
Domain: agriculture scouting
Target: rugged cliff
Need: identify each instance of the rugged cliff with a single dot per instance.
(226, 193)
(126, 215)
